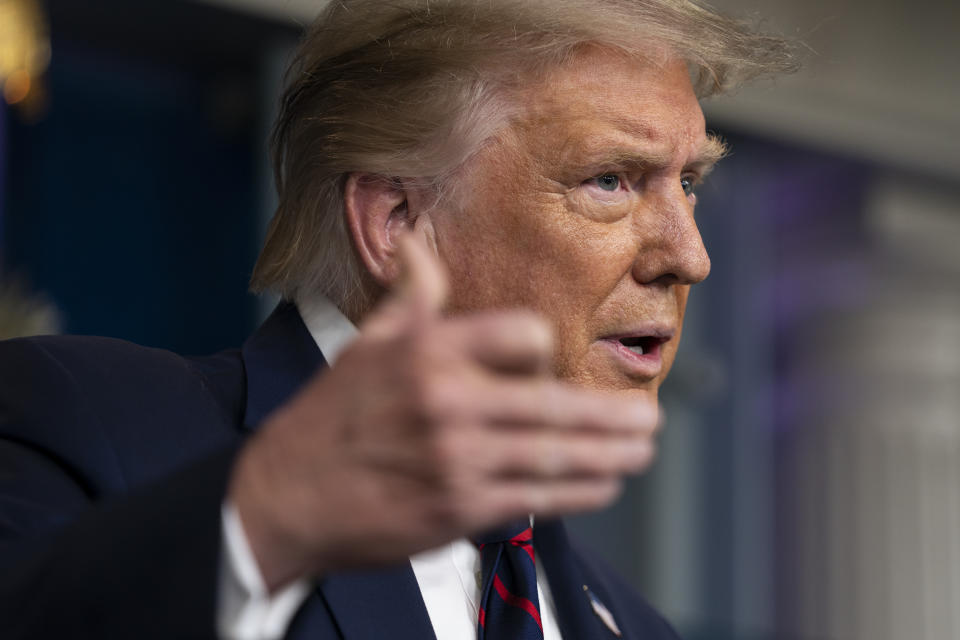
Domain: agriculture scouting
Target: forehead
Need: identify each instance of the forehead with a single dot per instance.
(601, 99)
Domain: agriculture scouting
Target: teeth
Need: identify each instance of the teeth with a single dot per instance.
(637, 349)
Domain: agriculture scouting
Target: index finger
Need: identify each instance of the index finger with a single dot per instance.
(517, 342)
(556, 405)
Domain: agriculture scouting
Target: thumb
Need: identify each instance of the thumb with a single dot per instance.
(419, 294)
(422, 287)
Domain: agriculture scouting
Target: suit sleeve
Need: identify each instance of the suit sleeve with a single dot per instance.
(79, 559)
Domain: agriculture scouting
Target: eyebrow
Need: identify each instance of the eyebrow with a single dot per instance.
(711, 151)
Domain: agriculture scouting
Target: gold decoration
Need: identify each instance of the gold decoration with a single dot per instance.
(24, 52)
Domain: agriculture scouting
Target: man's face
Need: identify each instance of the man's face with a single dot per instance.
(583, 212)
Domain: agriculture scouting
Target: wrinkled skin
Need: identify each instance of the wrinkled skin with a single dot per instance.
(486, 386)
(594, 263)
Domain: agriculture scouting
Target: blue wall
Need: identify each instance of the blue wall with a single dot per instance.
(133, 204)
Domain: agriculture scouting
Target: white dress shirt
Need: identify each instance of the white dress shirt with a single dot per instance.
(449, 576)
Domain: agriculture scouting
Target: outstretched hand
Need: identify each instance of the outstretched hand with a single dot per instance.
(429, 428)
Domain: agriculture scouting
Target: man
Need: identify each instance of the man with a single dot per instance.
(486, 241)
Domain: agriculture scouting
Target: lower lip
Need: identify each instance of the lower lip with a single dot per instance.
(647, 365)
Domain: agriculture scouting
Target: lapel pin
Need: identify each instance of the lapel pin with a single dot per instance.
(602, 612)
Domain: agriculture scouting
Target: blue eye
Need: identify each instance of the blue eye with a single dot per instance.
(687, 185)
(608, 182)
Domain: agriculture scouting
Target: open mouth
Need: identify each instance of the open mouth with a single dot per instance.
(642, 345)
(640, 354)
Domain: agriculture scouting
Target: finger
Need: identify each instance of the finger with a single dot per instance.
(423, 281)
(555, 405)
(511, 499)
(505, 341)
(419, 295)
(550, 455)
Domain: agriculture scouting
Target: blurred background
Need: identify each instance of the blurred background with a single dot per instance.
(808, 485)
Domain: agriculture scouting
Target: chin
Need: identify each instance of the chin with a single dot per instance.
(606, 368)
(610, 380)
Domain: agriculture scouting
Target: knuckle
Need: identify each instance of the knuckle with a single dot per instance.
(538, 332)
(536, 499)
(609, 490)
(639, 455)
(454, 466)
(649, 455)
(432, 398)
(660, 420)
(445, 452)
(554, 402)
(647, 414)
(529, 459)
(551, 460)
(444, 513)
(590, 460)
(418, 352)
(531, 322)
(601, 493)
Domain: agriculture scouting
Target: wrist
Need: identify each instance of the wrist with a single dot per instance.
(282, 554)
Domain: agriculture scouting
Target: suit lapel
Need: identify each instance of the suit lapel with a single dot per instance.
(575, 615)
(277, 359)
(372, 605)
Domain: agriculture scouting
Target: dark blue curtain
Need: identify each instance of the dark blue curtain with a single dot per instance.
(133, 203)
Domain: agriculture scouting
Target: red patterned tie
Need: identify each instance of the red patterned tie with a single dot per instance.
(509, 606)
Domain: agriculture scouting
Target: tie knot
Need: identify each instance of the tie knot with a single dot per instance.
(517, 532)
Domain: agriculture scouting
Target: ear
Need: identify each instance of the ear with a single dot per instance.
(379, 210)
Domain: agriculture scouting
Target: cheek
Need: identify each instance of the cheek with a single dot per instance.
(594, 204)
(490, 256)
(670, 353)
(515, 246)
(533, 258)
(681, 292)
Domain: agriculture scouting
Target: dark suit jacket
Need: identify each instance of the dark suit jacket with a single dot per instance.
(114, 461)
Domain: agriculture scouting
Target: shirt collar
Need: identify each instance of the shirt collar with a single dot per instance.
(329, 328)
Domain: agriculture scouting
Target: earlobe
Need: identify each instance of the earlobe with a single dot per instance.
(377, 210)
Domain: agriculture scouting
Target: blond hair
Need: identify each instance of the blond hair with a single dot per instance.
(412, 88)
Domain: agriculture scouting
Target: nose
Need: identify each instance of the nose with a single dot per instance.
(671, 250)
